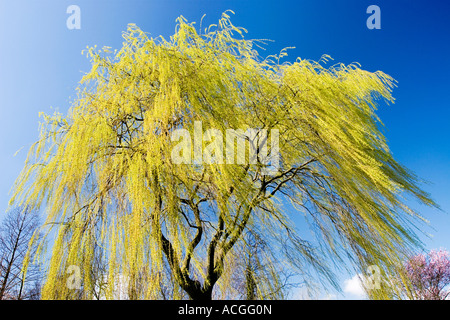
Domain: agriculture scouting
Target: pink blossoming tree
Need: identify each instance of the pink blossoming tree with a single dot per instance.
(429, 275)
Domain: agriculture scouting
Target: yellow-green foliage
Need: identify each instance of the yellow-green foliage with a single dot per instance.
(105, 176)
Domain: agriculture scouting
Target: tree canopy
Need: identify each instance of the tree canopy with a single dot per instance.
(106, 175)
(429, 274)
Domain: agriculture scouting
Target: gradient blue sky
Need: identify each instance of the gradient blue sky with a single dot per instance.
(41, 64)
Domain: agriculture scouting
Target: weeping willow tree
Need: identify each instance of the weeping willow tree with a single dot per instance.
(112, 189)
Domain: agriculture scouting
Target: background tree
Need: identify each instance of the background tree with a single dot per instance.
(108, 165)
(16, 231)
(430, 275)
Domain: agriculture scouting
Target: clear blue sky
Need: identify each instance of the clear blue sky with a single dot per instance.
(41, 64)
